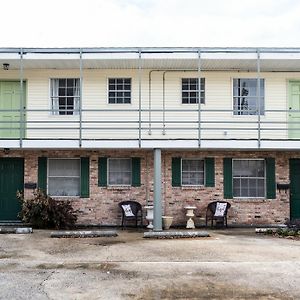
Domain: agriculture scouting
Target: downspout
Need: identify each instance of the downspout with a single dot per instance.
(258, 98)
(80, 98)
(199, 98)
(140, 98)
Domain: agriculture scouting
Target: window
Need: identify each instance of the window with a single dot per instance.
(64, 177)
(65, 96)
(192, 172)
(190, 90)
(119, 171)
(119, 90)
(245, 101)
(249, 178)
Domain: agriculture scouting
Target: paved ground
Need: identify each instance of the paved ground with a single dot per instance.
(231, 264)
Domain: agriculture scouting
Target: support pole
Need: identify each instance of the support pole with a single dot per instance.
(258, 100)
(140, 98)
(157, 221)
(22, 119)
(80, 98)
(164, 103)
(199, 98)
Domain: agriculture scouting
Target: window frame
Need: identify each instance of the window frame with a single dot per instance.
(108, 164)
(48, 169)
(265, 178)
(234, 110)
(202, 101)
(108, 90)
(204, 172)
(75, 112)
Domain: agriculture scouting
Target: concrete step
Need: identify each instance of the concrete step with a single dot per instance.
(83, 233)
(175, 234)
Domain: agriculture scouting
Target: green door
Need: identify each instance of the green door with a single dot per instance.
(10, 99)
(294, 104)
(295, 188)
(11, 180)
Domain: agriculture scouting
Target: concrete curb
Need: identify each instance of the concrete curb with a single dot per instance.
(175, 234)
(18, 230)
(83, 233)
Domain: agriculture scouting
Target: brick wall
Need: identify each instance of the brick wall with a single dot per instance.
(101, 207)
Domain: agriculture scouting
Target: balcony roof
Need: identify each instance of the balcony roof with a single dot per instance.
(242, 59)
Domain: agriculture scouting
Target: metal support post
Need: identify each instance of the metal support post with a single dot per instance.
(80, 97)
(199, 98)
(157, 221)
(140, 98)
(258, 100)
(22, 119)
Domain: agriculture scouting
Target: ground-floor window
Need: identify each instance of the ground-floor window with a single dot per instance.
(63, 177)
(119, 171)
(249, 178)
(192, 172)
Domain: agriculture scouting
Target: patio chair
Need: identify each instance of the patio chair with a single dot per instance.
(131, 211)
(217, 211)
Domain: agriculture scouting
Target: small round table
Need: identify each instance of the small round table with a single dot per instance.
(190, 214)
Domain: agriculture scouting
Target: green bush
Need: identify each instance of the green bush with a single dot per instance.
(43, 211)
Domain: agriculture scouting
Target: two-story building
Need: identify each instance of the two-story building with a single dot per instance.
(101, 125)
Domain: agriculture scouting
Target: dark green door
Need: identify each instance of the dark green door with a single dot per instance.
(295, 188)
(11, 180)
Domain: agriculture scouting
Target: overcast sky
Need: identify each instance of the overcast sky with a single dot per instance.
(88, 23)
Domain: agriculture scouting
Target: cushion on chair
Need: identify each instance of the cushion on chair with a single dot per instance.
(220, 209)
(127, 210)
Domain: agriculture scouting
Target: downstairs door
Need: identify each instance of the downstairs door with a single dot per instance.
(11, 180)
(295, 188)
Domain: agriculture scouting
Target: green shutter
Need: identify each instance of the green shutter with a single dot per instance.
(227, 178)
(136, 171)
(42, 173)
(270, 175)
(102, 171)
(176, 171)
(210, 172)
(84, 177)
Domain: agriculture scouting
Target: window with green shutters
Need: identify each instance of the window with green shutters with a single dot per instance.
(193, 172)
(64, 176)
(119, 171)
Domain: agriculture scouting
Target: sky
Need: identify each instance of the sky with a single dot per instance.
(150, 23)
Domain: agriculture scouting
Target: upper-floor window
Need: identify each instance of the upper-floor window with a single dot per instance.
(245, 97)
(249, 178)
(65, 96)
(190, 91)
(192, 172)
(119, 90)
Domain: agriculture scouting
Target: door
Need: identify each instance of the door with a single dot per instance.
(294, 104)
(11, 180)
(295, 188)
(10, 99)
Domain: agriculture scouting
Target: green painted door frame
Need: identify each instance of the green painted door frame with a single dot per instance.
(295, 188)
(11, 180)
(294, 104)
(10, 99)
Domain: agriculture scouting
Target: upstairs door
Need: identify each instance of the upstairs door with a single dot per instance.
(10, 99)
(11, 181)
(294, 104)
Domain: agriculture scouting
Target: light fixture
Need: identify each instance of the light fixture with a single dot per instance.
(5, 66)
(6, 150)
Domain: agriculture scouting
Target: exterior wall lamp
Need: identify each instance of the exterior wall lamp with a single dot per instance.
(5, 66)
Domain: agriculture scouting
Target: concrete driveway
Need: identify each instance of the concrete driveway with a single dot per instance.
(231, 264)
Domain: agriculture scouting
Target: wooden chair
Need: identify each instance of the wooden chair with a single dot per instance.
(131, 211)
(211, 210)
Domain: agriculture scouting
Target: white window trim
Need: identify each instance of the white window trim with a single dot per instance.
(232, 96)
(265, 178)
(119, 185)
(107, 91)
(184, 104)
(50, 113)
(73, 158)
(193, 185)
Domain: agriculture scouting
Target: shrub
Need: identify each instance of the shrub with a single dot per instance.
(43, 211)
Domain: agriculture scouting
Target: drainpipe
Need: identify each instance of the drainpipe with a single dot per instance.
(258, 97)
(140, 98)
(80, 98)
(199, 98)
